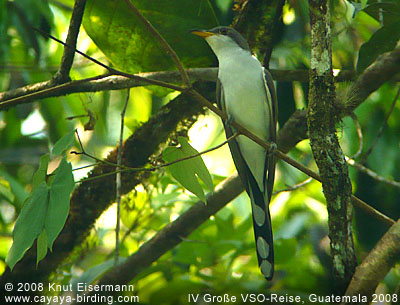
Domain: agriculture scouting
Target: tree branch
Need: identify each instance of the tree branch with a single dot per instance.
(90, 199)
(321, 119)
(371, 173)
(122, 168)
(42, 90)
(384, 68)
(87, 205)
(173, 233)
(62, 75)
(376, 265)
(46, 89)
(279, 154)
(136, 152)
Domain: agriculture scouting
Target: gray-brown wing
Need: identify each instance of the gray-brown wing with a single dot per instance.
(270, 160)
(260, 211)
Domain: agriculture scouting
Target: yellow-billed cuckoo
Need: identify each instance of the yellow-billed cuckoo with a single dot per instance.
(246, 93)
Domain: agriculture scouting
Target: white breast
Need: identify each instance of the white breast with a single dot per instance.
(242, 80)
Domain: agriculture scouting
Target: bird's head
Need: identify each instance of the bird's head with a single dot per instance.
(223, 39)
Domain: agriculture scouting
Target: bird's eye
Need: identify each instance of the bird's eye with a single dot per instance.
(223, 31)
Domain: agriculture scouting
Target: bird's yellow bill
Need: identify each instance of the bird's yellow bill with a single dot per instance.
(201, 33)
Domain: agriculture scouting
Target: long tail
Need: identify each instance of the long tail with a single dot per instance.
(262, 228)
(259, 204)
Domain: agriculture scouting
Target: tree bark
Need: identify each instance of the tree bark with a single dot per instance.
(321, 118)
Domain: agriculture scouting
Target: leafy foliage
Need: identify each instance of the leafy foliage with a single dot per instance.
(219, 256)
(187, 171)
(127, 43)
(30, 224)
(45, 211)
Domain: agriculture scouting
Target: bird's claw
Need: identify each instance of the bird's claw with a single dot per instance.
(229, 120)
(272, 148)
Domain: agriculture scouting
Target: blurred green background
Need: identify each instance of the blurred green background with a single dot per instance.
(219, 257)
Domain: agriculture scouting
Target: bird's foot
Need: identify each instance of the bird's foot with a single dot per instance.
(229, 120)
(272, 148)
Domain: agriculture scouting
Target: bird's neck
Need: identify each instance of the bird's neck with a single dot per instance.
(232, 55)
(236, 62)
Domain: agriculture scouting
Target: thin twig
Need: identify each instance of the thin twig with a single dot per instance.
(360, 136)
(26, 98)
(145, 169)
(362, 205)
(112, 70)
(125, 168)
(108, 81)
(371, 173)
(164, 237)
(171, 235)
(67, 59)
(384, 123)
(293, 187)
(84, 166)
(268, 146)
(118, 183)
(126, 234)
(80, 144)
(163, 43)
(239, 128)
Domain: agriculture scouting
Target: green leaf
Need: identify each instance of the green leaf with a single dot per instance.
(183, 172)
(29, 224)
(386, 11)
(60, 192)
(198, 163)
(383, 40)
(64, 143)
(186, 171)
(41, 244)
(129, 45)
(41, 173)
